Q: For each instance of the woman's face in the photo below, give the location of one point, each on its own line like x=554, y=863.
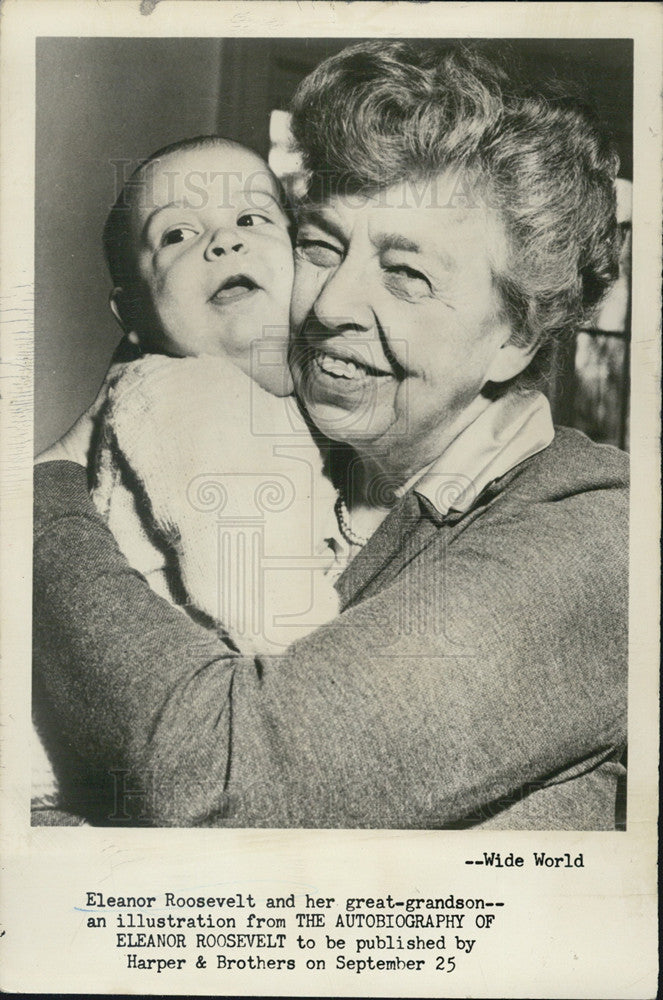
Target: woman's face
x=397, y=323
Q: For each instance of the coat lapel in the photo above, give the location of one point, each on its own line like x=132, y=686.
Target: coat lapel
x=410, y=527
x=402, y=534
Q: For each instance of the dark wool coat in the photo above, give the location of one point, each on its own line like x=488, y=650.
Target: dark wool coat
x=476, y=676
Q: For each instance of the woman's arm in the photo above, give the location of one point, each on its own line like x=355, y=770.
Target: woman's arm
x=372, y=720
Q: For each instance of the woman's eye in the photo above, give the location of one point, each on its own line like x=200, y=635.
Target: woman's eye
x=253, y=219
x=318, y=252
x=178, y=234
x=407, y=281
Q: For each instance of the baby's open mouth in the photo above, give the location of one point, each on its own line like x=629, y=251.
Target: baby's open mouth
x=237, y=286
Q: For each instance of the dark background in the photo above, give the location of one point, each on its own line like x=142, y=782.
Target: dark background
x=104, y=100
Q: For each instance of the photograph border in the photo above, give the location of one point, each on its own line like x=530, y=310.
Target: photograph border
x=606, y=927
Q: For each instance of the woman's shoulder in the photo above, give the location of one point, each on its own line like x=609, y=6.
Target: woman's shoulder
x=572, y=465
x=568, y=504
x=599, y=461
x=551, y=539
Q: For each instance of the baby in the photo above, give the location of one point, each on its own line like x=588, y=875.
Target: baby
x=204, y=468
x=206, y=471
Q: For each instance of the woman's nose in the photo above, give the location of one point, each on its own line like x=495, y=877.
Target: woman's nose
x=344, y=300
x=224, y=241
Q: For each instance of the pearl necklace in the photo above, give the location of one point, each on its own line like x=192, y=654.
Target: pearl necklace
x=343, y=521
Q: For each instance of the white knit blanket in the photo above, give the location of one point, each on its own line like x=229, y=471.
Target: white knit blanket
x=214, y=490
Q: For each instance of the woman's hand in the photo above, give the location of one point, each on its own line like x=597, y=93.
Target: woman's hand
x=75, y=444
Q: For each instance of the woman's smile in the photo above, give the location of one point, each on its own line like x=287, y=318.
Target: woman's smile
x=348, y=368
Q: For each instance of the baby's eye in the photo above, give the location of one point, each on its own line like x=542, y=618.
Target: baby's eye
x=320, y=253
x=178, y=234
x=407, y=281
x=253, y=219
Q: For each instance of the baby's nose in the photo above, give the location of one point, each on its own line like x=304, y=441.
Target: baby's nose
x=224, y=242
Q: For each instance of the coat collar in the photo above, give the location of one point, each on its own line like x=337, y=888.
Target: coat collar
x=510, y=430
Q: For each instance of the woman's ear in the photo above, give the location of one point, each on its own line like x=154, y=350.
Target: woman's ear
x=510, y=360
x=118, y=307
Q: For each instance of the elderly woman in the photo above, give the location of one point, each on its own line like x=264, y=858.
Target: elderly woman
x=454, y=228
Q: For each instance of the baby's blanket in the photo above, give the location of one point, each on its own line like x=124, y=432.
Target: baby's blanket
x=214, y=490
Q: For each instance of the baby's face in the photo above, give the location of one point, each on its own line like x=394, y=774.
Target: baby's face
x=214, y=260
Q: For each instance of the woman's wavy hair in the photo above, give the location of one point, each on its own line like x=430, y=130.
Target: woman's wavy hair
x=379, y=113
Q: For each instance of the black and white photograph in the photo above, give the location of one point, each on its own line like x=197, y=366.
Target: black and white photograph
x=404, y=590
x=335, y=395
